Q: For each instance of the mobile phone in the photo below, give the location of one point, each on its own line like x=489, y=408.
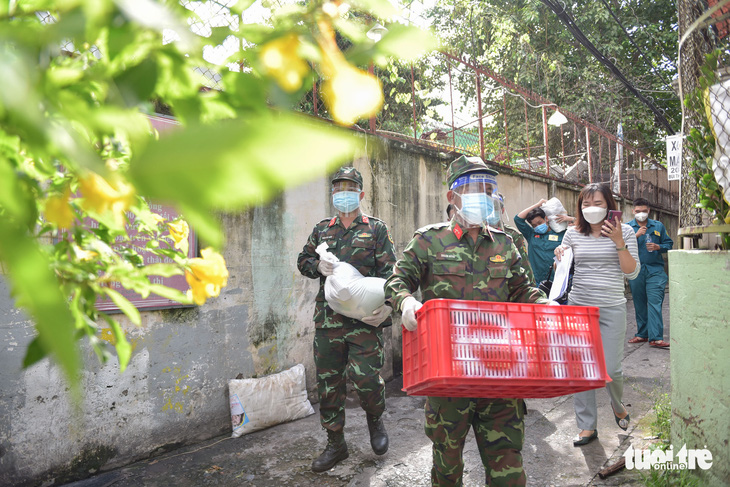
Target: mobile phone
x=614, y=214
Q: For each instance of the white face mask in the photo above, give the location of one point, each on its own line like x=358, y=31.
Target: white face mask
x=594, y=214
x=641, y=217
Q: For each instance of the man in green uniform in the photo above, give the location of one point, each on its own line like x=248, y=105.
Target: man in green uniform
x=467, y=259
x=364, y=242
x=541, y=239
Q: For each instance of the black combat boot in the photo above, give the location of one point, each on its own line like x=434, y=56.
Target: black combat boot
x=336, y=451
x=378, y=435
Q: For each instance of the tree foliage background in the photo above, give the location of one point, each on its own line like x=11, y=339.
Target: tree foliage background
x=78, y=155
x=526, y=43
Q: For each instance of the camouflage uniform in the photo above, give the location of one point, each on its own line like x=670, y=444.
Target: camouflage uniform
x=445, y=263
x=521, y=244
x=339, y=340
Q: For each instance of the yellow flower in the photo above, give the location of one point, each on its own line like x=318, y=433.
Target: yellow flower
x=102, y=196
x=58, y=210
x=179, y=231
x=206, y=276
x=352, y=94
x=282, y=62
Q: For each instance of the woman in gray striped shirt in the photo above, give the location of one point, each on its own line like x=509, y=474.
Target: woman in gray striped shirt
x=604, y=252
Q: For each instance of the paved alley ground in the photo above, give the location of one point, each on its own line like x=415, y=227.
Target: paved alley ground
x=282, y=455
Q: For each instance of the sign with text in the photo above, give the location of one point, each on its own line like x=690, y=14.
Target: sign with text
x=139, y=243
x=674, y=157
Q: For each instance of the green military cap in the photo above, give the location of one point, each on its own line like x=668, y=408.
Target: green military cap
x=349, y=173
x=465, y=165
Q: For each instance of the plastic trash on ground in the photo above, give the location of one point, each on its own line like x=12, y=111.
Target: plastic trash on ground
x=347, y=291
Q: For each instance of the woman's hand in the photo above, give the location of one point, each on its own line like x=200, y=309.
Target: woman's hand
x=559, y=250
x=613, y=231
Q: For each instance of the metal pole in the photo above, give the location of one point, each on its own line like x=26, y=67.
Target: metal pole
x=600, y=159
x=506, y=134
x=413, y=98
x=372, y=119
x=588, y=153
x=562, y=146
x=545, y=140
x=479, y=113
x=641, y=175
x=527, y=135
x=453, y=123
x=314, y=97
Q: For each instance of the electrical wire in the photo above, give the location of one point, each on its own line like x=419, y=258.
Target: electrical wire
x=646, y=58
x=573, y=28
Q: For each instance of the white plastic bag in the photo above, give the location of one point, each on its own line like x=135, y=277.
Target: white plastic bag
x=260, y=403
x=348, y=292
x=552, y=208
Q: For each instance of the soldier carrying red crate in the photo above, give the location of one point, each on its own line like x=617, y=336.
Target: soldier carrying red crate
x=466, y=259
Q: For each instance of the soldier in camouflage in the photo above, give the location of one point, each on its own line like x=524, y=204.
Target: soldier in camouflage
x=467, y=259
x=517, y=237
x=339, y=341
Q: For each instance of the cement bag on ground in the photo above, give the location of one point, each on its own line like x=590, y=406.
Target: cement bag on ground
x=348, y=292
x=552, y=208
x=259, y=403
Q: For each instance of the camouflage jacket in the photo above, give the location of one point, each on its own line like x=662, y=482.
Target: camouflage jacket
x=444, y=262
x=366, y=245
x=521, y=245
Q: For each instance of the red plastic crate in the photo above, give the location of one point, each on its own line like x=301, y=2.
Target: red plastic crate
x=482, y=349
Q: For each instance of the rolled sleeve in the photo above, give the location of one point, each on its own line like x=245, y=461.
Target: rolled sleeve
x=406, y=276
x=633, y=246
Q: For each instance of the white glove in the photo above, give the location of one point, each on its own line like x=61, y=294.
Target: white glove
x=378, y=316
x=553, y=303
x=326, y=268
x=408, y=310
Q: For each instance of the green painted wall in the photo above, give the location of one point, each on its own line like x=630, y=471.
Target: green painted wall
x=699, y=293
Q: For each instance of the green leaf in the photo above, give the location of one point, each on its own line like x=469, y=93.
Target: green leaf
x=170, y=293
x=164, y=270
x=124, y=349
x=382, y=9
x=124, y=305
x=239, y=163
x=35, y=353
x=36, y=290
x=406, y=42
x=137, y=83
x=241, y=5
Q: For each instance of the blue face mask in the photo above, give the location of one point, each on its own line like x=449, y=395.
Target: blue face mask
x=494, y=219
x=476, y=208
x=541, y=228
x=346, y=201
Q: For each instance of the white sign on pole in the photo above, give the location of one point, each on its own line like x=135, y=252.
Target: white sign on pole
x=674, y=157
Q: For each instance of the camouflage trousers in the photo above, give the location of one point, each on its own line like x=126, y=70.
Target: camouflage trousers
x=359, y=349
x=499, y=429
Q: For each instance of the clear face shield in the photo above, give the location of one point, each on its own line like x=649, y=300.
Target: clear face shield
x=478, y=201
x=345, y=196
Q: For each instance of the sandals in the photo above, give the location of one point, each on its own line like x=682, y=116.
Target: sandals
x=659, y=344
x=584, y=440
x=638, y=340
x=622, y=423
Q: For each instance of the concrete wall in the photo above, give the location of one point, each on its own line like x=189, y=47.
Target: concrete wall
x=174, y=391
x=698, y=293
